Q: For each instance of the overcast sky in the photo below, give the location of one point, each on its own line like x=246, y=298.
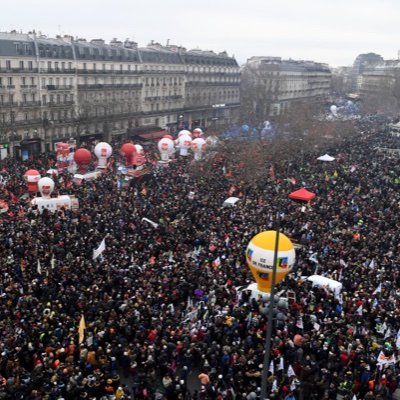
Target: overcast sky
x=333, y=31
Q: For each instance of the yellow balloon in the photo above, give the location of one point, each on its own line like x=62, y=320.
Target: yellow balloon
x=260, y=258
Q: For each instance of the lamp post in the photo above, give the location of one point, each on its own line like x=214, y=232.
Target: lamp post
x=266, y=362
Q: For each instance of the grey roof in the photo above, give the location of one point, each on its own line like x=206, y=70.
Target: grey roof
x=61, y=48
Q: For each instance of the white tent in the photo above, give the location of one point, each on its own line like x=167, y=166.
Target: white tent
x=231, y=201
x=331, y=284
x=326, y=157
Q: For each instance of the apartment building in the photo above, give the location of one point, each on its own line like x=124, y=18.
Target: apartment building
x=272, y=84
x=54, y=89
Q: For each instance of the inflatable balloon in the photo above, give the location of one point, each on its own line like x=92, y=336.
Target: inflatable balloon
x=184, y=132
x=83, y=158
x=260, y=258
x=184, y=142
x=166, y=147
x=32, y=178
x=139, y=149
x=128, y=150
x=103, y=152
x=211, y=141
x=198, y=147
x=334, y=110
x=196, y=133
x=245, y=128
x=46, y=187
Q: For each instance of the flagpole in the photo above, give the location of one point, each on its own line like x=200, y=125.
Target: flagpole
x=270, y=316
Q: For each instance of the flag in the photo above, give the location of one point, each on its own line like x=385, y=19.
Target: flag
x=293, y=180
x=388, y=333
x=398, y=339
x=82, y=328
x=313, y=258
x=281, y=364
x=152, y=223
x=232, y=190
x=272, y=172
x=384, y=360
x=217, y=262
x=299, y=323
x=271, y=367
x=52, y=262
x=274, y=385
x=372, y=264
x=100, y=249
x=39, y=268
x=290, y=371
x=354, y=397
x=359, y=310
x=378, y=289
x=343, y=263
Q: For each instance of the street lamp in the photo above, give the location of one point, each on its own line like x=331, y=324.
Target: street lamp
x=270, y=256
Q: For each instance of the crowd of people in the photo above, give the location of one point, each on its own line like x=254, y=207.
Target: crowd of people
x=164, y=316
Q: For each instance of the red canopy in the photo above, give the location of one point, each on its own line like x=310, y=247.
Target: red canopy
x=302, y=194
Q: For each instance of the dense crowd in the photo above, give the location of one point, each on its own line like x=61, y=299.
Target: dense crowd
x=164, y=316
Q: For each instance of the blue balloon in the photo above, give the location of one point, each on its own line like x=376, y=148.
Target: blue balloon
x=245, y=128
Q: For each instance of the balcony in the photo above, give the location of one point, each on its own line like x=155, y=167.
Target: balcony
x=58, y=71
x=29, y=104
x=98, y=86
x=58, y=87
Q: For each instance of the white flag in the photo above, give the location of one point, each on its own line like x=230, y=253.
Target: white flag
x=313, y=258
x=398, y=339
x=290, y=371
x=388, y=333
x=359, y=310
x=281, y=364
x=274, y=386
x=53, y=262
x=378, y=289
x=39, y=268
x=152, y=223
x=100, y=249
x=343, y=263
x=372, y=264
x=354, y=397
x=299, y=323
x=271, y=367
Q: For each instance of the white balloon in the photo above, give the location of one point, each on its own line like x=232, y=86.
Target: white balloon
x=166, y=148
x=102, y=151
x=46, y=187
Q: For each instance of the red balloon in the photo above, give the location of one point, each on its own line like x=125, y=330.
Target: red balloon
x=128, y=149
x=82, y=156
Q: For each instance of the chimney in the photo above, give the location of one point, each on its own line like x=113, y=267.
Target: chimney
x=98, y=41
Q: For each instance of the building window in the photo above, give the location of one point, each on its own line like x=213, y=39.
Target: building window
x=9, y=81
x=30, y=65
x=23, y=81
x=21, y=65
x=49, y=65
x=8, y=64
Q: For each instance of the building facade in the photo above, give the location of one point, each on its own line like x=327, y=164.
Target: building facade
x=361, y=63
x=270, y=85
x=54, y=89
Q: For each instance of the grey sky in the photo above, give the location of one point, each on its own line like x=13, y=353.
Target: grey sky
x=334, y=32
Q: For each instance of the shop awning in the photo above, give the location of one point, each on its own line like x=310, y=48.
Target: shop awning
x=152, y=135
